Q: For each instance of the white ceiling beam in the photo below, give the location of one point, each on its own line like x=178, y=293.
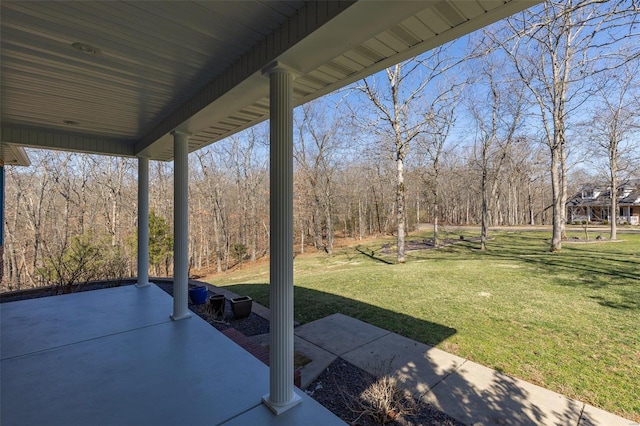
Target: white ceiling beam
x=46, y=138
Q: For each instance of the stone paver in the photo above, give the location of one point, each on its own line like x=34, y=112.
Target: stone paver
x=320, y=359
x=417, y=366
x=339, y=333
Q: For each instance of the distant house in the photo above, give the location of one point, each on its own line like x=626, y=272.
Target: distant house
x=593, y=203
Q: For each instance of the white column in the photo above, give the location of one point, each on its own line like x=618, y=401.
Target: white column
x=180, y=226
x=143, y=222
x=1, y=219
x=281, y=395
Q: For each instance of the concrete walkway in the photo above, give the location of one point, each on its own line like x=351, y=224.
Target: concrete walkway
x=465, y=390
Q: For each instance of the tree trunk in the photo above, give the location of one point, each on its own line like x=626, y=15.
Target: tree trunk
x=400, y=204
x=563, y=186
x=483, y=231
x=530, y=200
x=556, y=190
x=613, y=169
x=216, y=236
x=360, y=226
x=436, y=203
x=303, y=231
x=329, y=222
x=316, y=220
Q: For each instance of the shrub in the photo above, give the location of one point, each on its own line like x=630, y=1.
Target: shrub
x=382, y=401
x=160, y=242
x=85, y=258
x=238, y=251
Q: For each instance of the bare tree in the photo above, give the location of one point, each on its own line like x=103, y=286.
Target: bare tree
x=15, y=199
x=216, y=204
x=440, y=118
x=614, y=127
x=249, y=169
x=396, y=99
x=498, y=113
x=315, y=151
x=38, y=202
x=112, y=181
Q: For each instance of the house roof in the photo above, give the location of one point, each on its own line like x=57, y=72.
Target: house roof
x=117, y=77
x=630, y=194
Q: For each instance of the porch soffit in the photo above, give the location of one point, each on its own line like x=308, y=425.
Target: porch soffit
x=196, y=66
x=11, y=155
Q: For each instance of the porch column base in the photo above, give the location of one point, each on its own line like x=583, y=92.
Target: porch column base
x=280, y=408
x=180, y=317
x=143, y=284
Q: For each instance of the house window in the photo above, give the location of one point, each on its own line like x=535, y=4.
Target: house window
x=587, y=194
x=624, y=192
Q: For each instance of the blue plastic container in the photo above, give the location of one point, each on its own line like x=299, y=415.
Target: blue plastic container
x=198, y=295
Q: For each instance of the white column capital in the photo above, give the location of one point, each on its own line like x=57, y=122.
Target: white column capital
x=276, y=66
x=181, y=133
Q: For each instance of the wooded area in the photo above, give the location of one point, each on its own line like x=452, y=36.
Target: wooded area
x=494, y=129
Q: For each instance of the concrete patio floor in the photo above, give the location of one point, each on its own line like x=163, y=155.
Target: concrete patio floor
x=114, y=357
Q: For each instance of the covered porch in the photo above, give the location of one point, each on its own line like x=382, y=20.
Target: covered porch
x=114, y=356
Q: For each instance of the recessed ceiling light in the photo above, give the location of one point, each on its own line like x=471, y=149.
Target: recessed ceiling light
x=70, y=122
x=87, y=49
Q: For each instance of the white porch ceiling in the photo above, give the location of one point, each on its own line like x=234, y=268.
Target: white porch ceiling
x=196, y=66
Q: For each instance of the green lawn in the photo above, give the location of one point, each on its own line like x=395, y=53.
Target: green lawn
x=567, y=321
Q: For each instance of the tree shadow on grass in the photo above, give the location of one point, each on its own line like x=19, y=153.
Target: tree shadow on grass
x=613, y=271
x=310, y=305
x=373, y=256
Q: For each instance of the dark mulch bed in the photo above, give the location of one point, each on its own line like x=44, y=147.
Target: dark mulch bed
x=339, y=383
x=343, y=382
